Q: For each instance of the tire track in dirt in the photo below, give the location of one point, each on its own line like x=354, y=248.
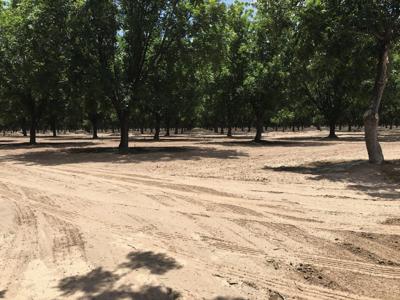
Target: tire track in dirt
x=257, y=229
x=67, y=240
x=35, y=228
x=290, y=288
x=159, y=183
x=327, y=247
x=24, y=246
x=351, y=266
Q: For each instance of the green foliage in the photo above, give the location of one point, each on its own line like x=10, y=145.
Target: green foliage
x=186, y=63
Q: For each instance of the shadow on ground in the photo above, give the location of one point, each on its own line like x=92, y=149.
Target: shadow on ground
x=156, y=263
x=100, y=284
x=377, y=181
x=107, y=154
x=269, y=143
x=2, y=294
x=55, y=145
x=386, y=136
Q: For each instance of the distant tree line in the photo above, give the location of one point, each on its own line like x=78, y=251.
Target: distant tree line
x=173, y=64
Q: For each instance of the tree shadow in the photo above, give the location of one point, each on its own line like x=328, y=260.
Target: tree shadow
x=2, y=141
x=100, y=284
x=156, y=263
x=93, y=282
x=384, y=136
x=379, y=181
x=2, y=293
x=269, y=143
x=145, y=293
x=57, y=145
x=150, y=139
x=108, y=154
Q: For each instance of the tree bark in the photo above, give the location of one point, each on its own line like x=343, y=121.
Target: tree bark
x=93, y=120
x=259, y=129
x=94, y=128
x=371, y=117
x=158, y=126
x=24, y=131
x=33, y=125
x=124, y=138
x=167, y=124
x=54, y=128
x=229, y=131
x=332, y=131
x=32, y=130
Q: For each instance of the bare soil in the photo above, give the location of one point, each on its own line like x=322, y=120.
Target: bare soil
x=199, y=216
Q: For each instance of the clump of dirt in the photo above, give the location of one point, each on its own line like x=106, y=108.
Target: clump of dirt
x=273, y=295
x=315, y=276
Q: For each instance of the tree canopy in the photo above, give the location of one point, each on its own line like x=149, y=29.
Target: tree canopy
x=121, y=65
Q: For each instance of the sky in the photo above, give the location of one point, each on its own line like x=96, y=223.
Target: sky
x=231, y=1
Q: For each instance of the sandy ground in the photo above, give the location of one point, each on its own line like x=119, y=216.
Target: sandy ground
x=199, y=217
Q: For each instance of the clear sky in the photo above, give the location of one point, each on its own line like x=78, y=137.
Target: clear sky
x=231, y=1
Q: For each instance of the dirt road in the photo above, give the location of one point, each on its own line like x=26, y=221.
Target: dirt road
x=199, y=217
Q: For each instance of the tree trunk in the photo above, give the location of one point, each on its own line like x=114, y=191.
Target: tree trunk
x=54, y=128
x=33, y=125
x=332, y=131
x=32, y=131
x=371, y=117
x=124, y=124
x=24, y=131
x=93, y=120
x=94, y=128
x=167, y=124
x=158, y=125
x=259, y=129
x=229, y=131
